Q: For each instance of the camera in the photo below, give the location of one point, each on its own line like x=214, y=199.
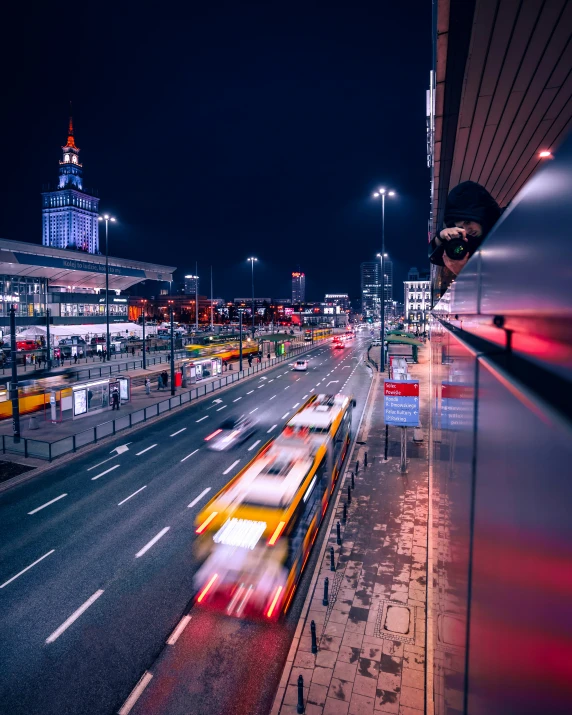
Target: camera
x=456, y=249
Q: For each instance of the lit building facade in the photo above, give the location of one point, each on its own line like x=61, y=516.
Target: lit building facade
x=370, y=289
x=69, y=214
x=298, y=288
x=341, y=300
x=417, y=292
x=191, y=285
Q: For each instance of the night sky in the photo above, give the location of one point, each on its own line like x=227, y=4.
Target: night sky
x=216, y=133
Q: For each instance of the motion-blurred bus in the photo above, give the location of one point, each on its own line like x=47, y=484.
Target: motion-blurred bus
x=256, y=534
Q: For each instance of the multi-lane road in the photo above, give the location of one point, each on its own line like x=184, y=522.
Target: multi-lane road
x=96, y=561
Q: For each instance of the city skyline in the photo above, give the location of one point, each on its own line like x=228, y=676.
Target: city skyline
x=205, y=180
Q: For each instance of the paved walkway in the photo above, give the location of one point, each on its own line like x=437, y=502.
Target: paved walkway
x=371, y=635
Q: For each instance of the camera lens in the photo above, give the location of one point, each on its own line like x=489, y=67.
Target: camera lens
x=456, y=249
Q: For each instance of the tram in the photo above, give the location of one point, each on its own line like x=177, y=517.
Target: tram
x=256, y=534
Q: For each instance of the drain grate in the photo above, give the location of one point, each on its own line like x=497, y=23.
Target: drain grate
x=392, y=614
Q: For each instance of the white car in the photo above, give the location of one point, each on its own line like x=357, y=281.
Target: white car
x=300, y=365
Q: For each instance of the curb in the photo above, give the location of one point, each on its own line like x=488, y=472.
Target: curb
x=285, y=676
x=38, y=471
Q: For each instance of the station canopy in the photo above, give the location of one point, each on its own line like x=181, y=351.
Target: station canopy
x=74, y=269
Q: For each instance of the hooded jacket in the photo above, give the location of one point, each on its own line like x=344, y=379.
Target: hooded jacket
x=468, y=201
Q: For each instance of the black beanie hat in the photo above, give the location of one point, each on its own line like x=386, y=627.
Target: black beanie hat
x=470, y=201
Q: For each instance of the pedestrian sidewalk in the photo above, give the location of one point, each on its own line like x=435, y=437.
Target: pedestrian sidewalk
x=371, y=635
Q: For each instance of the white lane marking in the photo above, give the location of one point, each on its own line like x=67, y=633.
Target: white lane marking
x=144, y=450
x=254, y=410
x=331, y=382
x=254, y=445
x=277, y=376
x=296, y=405
x=178, y=630
x=250, y=393
x=135, y=694
x=344, y=367
x=222, y=408
x=259, y=386
x=318, y=384
x=285, y=415
x=178, y=432
x=189, y=455
x=312, y=390
x=37, y=561
x=287, y=387
x=95, y=466
x=269, y=381
x=153, y=541
x=304, y=397
x=232, y=466
x=298, y=380
x=202, y=418
x=132, y=495
x=74, y=616
x=237, y=399
x=39, y=508
x=273, y=396
x=196, y=500
x=270, y=430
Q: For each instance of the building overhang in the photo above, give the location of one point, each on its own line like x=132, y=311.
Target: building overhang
x=73, y=269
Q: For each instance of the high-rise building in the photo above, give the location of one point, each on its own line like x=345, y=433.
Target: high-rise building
x=69, y=214
x=191, y=285
x=298, y=287
x=370, y=289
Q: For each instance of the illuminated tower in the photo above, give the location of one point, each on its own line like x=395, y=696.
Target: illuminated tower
x=298, y=288
x=69, y=214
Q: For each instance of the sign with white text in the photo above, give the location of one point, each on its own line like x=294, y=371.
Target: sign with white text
x=401, y=402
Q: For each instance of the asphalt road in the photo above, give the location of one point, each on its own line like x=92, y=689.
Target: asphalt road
x=96, y=562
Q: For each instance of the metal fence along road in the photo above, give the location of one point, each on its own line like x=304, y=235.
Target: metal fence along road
x=50, y=450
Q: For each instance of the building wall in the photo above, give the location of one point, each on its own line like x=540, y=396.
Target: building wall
x=417, y=295
x=500, y=536
x=70, y=218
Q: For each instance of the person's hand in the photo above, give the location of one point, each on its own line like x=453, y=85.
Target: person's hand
x=455, y=266
x=448, y=233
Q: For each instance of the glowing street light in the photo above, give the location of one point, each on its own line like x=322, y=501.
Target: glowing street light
x=383, y=193
x=252, y=262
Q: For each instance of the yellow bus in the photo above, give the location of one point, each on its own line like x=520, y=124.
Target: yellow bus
x=256, y=534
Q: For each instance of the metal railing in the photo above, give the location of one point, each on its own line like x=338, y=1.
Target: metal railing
x=41, y=449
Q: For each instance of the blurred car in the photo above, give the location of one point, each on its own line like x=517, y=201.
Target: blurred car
x=301, y=365
x=231, y=433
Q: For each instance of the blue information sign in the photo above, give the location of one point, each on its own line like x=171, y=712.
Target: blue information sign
x=401, y=402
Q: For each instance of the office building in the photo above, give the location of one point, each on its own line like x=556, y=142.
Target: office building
x=191, y=285
x=338, y=300
x=69, y=214
x=370, y=289
x=298, y=288
x=417, y=301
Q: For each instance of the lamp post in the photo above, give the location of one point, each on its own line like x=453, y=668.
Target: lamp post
x=144, y=354
x=382, y=256
x=252, y=261
x=107, y=219
x=172, y=319
x=14, y=380
x=240, y=311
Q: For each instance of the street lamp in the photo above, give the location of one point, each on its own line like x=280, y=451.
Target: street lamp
x=144, y=302
x=252, y=261
x=382, y=192
x=107, y=219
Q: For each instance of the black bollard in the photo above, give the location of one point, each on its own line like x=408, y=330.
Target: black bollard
x=345, y=517
x=338, y=534
x=300, y=707
x=314, y=641
x=365, y=460
x=357, y=466
x=325, y=601
x=349, y=494
x=332, y=563
x=353, y=481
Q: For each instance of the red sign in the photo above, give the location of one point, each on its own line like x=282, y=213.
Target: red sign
x=459, y=392
x=402, y=389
